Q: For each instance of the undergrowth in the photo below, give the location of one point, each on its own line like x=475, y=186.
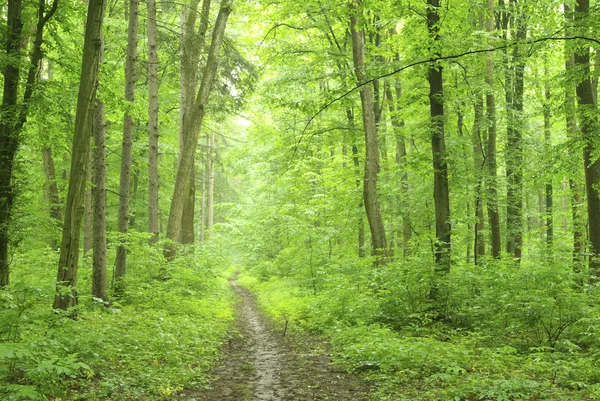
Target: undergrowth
x=161, y=337
x=507, y=333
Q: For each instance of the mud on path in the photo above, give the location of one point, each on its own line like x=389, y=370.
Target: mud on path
x=261, y=364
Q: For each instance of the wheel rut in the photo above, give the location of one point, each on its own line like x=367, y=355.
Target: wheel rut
x=261, y=364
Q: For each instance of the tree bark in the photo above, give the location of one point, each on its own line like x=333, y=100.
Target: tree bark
x=66, y=295
x=378, y=240
x=549, y=188
x=87, y=213
x=210, y=193
x=398, y=125
x=514, y=160
x=356, y=163
x=479, y=141
x=588, y=118
x=438, y=148
x=128, y=123
x=51, y=189
x=492, y=181
x=192, y=45
x=195, y=118
x=579, y=237
x=152, y=125
x=99, y=276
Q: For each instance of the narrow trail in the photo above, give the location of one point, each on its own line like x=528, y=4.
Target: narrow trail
x=261, y=364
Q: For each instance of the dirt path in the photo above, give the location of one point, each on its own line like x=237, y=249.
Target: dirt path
x=263, y=365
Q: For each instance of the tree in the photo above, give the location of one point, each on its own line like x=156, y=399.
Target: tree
x=438, y=146
x=152, y=124
x=192, y=45
x=588, y=118
x=514, y=81
x=371, y=202
x=128, y=123
x=490, y=103
x=194, y=120
x=14, y=116
x=66, y=294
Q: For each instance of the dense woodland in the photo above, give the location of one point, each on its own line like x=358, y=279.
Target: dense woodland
x=417, y=181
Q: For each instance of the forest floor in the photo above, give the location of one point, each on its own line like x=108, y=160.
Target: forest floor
x=263, y=364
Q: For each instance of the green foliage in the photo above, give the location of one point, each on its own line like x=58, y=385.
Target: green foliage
x=163, y=336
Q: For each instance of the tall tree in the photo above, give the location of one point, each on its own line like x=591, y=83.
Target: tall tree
x=66, y=294
x=128, y=124
x=393, y=102
x=514, y=90
x=194, y=120
x=548, y=146
x=588, y=118
x=490, y=111
x=192, y=45
x=378, y=240
x=152, y=124
x=99, y=278
x=479, y=141
x=438, y=146
x=14, y=115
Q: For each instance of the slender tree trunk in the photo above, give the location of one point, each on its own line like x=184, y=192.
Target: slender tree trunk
x=51, y=189
x=479, y=139
x=588, y=118
x=514, y=161
x=8, y=136
x=492, y=181
x=66, y=295
x=579, y=238
x=195, y=118
x=128, y=124
x=438, y=148
x=398, y=125
x=373, y=211
x=549, y=188
x=99, y=276
x=210, y=198
x=356, y=162
x=152, y=125
x=203, y=197
x=87, y=213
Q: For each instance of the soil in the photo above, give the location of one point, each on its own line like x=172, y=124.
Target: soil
x=262, y=364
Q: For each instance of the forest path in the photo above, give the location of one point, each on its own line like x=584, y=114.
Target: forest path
x=261, y=364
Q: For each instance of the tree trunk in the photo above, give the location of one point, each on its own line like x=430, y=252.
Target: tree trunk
x=99, y=193
x=479, y=140
x=589, y=129
x=124, y=182
x=492, y=181
x=66, y=295
x=579, y=238
x=152, y=125
x=192, y=44
x=371, y=202
x=195, y=118
x=356, y=162
x=514, y=160
x=438, y=148
x=210, y=198
x=549, y=188
x=398, y=125
x=87, y=213
x=51, y=190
